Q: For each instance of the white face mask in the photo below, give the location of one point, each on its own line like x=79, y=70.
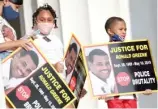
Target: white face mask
x=45, y=28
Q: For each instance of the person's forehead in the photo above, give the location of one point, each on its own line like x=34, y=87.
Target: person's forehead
x=45, y=13
x=26, y=57
x=117, y=24
x=97, y=58
x=72, y=52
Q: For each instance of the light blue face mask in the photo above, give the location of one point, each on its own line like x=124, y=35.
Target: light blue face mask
x=9, y=13
x=116, y=38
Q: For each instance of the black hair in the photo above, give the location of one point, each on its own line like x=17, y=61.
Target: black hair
x=111, y=21
x=45, y=7
x=96, y=52
x=17, y=2
x=32, y=54
x=73, y=46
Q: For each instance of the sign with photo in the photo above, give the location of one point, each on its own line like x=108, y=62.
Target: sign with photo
x=32, y=82
x=75, y=73
x=120, y=68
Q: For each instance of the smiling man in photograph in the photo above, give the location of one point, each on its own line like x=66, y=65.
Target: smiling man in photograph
x=100, y=71
x=17, y=68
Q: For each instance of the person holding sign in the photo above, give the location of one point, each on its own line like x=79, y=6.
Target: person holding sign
x=44, y=22
x=100, y=71
x=116, y=29
x=8, y=39
x=21, y=65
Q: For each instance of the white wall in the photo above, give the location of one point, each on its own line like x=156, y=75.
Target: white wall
x=26, y=19
x=75, y=18
x=100, y=11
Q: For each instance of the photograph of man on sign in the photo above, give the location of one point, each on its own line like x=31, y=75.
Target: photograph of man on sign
x=100, y=71
x=18, y=67
x=70, y=60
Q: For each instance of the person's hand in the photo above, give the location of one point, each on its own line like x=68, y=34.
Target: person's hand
x=59, y=67
x=148, y=92
x=8, y=105
x=83, y=93
x=104, y=97
x=25, y=44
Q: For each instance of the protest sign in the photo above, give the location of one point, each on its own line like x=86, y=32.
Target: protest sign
x=120, y=68
x=75, y=72
x=32, y=82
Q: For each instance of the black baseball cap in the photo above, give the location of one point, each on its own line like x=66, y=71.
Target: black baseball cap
x=17, y=2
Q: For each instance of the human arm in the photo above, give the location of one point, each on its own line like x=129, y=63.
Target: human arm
x=83, y=93
x=1, y=7
x=14, y=44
